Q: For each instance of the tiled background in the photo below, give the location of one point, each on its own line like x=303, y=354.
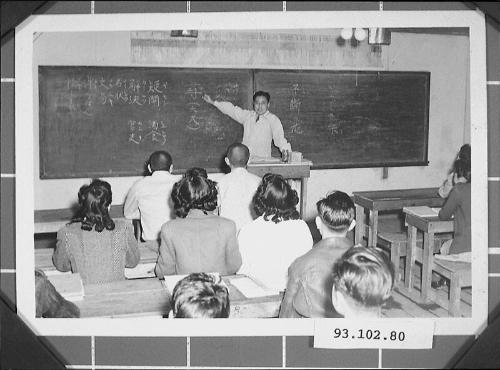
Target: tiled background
x=246, y=351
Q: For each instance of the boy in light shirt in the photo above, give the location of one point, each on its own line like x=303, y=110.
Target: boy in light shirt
x=237, y=188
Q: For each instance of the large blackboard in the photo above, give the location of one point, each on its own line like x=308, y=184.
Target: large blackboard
x=106, y=121
x=352, y=118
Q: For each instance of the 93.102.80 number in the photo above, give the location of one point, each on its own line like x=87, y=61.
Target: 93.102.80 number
x=343, y=333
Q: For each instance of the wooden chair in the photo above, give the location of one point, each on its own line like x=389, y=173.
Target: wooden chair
x=458, y=273
x=460, y=276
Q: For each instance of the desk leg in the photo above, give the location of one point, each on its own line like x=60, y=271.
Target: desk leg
x=455, y=289
x=360, y=225
x=427, y=261
x=303, y=197
x=411, y=250
x=372, y=232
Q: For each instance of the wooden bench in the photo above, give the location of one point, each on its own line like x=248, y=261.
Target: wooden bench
x=396, y=243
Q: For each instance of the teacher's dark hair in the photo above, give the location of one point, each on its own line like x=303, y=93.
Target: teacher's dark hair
x=276, y=199
x=262, y=93
x=94, y=200
x=194, y=191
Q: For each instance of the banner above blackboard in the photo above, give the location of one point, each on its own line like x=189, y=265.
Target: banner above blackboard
x=106, y=121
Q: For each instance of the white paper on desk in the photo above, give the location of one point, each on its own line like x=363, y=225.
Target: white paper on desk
x=251, y=289
x=171, y=280
x=70, y=286
x=421, y=211
x=456, y=257
x=142, y=270
x=56, y=272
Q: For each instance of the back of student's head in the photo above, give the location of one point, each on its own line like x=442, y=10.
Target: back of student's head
x=196, y=171
x=238, y=155
x=199, y=295
x=365, y=278
x=464, y=152
x=336, y=211
x=275, y=198
x=462, y=169
x=160, y=161
x=94, y=200
x=194, y=192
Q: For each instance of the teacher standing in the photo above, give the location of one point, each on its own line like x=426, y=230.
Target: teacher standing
x=260, y=126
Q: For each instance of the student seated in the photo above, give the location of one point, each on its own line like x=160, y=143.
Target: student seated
x=237, y=188
x=453, y=177
x=363, y=279
x=197, y=240
x=270, y=243
x=457, y=205
x=200, y=296
x=49, y=303
x=309, y=289
x=149, y=198
x=92, y=243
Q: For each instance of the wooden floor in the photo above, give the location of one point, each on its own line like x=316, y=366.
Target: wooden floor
x=410, y=304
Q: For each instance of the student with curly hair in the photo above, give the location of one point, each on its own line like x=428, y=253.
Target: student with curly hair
x=363, y=280
x=92, y=243
x=270, y=243
x=197, y=240
x=200, y=296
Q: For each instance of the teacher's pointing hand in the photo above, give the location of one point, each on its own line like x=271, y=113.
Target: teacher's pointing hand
x=208, y=99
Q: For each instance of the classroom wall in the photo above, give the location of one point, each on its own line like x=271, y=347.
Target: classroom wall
x=445, y=56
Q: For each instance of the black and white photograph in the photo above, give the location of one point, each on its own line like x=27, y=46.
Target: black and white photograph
x=295, y=167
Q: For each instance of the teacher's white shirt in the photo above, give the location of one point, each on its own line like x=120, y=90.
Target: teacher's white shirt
x=257, y=135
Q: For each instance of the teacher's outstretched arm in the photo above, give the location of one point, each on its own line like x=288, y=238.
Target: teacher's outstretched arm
x=236, y=113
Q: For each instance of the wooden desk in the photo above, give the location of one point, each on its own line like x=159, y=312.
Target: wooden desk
x=51, y=220
x=300, y=171
x=148, y=297
x=429, y=226
x=388, y=200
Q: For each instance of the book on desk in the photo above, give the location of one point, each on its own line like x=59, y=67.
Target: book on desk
x=69, y=285
x=422, y=211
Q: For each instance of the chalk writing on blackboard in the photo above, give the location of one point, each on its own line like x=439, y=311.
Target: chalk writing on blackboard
x=334, y=126
x=227, y=92
x=150, y=131
x=295, y=103
x=80, y=94
x=194, y=91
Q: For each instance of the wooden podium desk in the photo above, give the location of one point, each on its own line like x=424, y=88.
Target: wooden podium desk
x=149, y=297
x=388, y=200
x=295, y=171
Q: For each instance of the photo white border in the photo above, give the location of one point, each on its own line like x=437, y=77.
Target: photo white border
x=24, y=116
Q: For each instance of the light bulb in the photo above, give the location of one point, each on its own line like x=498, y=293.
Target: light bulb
x=346, y=33
x=360, y=34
